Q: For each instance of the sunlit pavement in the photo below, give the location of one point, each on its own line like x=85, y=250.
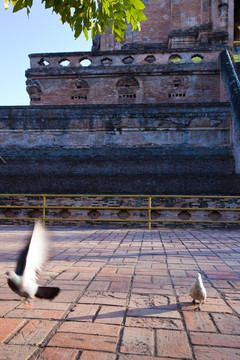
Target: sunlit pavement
x=124, y=296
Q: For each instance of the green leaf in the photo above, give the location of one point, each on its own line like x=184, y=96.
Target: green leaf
x=141, y=17
x=85, y=31
x=91, y=15
x=19, y=5
x=137, y=4
x=78, y=28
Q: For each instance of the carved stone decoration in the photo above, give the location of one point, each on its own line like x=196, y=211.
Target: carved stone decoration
x=150, y=59
x=33, y=87
x=128, y=60
x=215, y=215
x=34, y=90
x=127, y=89
x=223, y=14
x=184, y=215
x=106, y=61
x=155, y=214
x=43, y=62
x=123, y=214
x=177, y=89
x=35, y=213
x=65, y=213
x=80, y=90
x=94, y=214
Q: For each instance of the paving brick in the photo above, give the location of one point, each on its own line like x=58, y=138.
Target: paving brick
x=9, y=327
x=93, y=355
x=67, y=296
x=155, y=323
x=103, y=298
x=173, y=344
x=161, y=311
x=45, y=305
x=199, y=321
x=139, y=357
x=82, y=312
x=138, y=341
x=227, y=324
x=16, y=352
x=99, y=285
x=58, y=354
x=90, y=328
x=84, y=341
x=207, y=307
x=33, y=333
x=36, y=313
x=235, y=304
x=206, y=353
x=208, y=339
x=110, y=315
x=149, y=301
x=119, y=286
x=7, y=306
x=151, y=289
x=153, y=327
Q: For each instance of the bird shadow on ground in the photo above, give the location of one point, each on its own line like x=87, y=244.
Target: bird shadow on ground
x=132, y=312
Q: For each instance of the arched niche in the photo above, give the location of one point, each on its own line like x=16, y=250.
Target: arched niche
x=127, y=88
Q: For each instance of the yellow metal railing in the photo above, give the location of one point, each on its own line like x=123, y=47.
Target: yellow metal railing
x=223, y=215
x=236, y=54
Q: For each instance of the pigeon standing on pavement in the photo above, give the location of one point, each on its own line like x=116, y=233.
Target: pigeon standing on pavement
x=30, y=263
x=198, y=292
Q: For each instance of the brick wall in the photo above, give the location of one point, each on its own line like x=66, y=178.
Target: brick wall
x=181, y=24
x=124, y=211
x=125, y=77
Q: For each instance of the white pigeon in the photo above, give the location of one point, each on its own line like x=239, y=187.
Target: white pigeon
x=30, y=263
x=198, y=292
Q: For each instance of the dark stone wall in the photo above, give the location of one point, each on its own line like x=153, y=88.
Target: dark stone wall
x=39, y=156
x=230, y=77
x=119, y=171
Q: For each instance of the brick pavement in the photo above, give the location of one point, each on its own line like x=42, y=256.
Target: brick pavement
x=125, y=296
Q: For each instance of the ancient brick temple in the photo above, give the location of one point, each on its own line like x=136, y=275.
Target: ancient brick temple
x=174, y=59
x=148, y=115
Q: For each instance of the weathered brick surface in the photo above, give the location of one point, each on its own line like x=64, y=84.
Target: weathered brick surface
x=206, y=353
x=9, y=326
x=173, y=344
x=51, y=353
x=33, y=333
x=92, y=355
x=16, y=352
x=152, y=318
x=83, y=341
x=207, y=339
x=199, y=321
x=138, y=341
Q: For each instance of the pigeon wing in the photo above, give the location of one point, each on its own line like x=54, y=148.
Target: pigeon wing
x=22, y=260
x=37, y=253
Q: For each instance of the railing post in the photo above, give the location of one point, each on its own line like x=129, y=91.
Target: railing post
x=149, y=213
x=44, y=210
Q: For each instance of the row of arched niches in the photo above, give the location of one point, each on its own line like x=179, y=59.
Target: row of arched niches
x=126, y=88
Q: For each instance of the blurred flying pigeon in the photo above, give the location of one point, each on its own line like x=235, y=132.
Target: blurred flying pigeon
x=198, y=292
x=30, y=262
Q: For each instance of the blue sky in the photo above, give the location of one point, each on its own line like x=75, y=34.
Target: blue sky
x=20, y=36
